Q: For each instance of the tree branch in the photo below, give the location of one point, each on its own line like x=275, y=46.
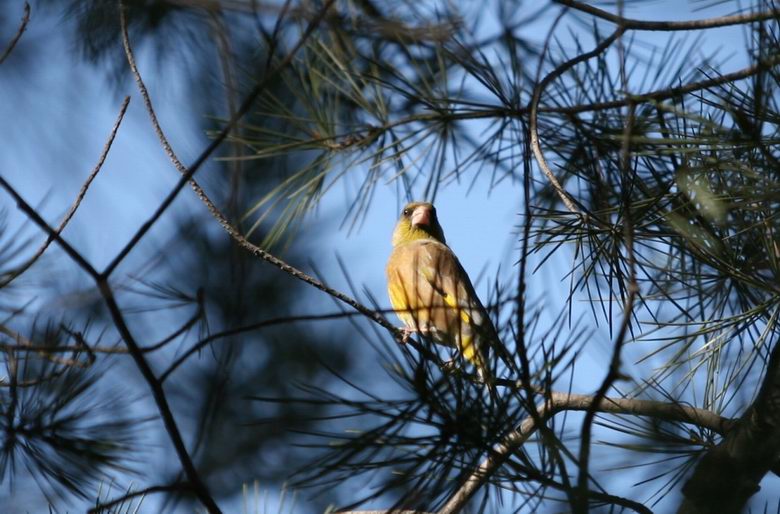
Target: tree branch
x=668, y=26
x=242, y=110
x=561, y=402
x=75, y=205
x=565, y=197
x=199, y=487
x=730, y=473
x=233, y=231
x=38, y=220
x=19, y=32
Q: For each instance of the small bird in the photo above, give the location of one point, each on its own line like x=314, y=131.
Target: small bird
x=432, y=294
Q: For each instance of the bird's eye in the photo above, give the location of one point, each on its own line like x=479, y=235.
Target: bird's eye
x=406, y=212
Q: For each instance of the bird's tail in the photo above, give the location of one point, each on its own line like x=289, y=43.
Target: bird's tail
x=479, y=359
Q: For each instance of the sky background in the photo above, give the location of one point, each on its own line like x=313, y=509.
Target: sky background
x=57, y=112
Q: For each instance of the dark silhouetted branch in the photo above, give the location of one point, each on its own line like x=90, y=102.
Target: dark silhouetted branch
x=79, y=197
x=18, y=35
x=242, y=110
x=561, y=402
x=36, y=218
x=671, y=26
x=730, y=473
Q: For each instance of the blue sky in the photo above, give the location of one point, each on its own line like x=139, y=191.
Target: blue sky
x=59, y=111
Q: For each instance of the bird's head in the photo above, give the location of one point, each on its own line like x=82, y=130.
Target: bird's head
x=418, y=221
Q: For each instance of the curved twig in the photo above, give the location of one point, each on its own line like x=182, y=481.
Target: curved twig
x=565, y=197
x=242, y=110
x=670, y=26
x=75, y=205
x=233, y=231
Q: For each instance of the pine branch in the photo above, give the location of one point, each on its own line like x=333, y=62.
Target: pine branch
x=730, y=473
x=564, y=402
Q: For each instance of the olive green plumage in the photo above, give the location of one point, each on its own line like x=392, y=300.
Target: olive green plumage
x=431, y=292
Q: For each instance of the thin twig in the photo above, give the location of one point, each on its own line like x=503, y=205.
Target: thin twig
x=19, y=32
x=25, y=345
x=79, y=197
x=31, y=347
x=105, y=506
x=242, y=110
x=669, y=26
x=613, y=373
x=38, y=220
x=228, y=226
x=534, y=115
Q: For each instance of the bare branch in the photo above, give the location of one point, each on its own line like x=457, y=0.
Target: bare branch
x=242, y=110
x=669, y=26
x=565, y=197
x=19, y=32
x=36, y=218
x=79, y=197
x=233, y=231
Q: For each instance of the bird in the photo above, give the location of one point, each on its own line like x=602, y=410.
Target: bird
x=431, y=292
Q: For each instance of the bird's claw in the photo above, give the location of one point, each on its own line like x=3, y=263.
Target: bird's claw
x=451, y=366
x=406, y=334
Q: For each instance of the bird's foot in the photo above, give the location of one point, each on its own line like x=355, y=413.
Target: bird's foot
x=406, y=333
x=451, y=367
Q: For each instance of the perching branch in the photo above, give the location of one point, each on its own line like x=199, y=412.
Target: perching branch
x=233, y=231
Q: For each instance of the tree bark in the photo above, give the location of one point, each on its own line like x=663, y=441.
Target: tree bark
x=730, y=473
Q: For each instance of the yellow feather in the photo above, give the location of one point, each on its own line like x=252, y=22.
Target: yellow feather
x=431, y=292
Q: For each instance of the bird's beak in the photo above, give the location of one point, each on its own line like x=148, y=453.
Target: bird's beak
x=421, y=217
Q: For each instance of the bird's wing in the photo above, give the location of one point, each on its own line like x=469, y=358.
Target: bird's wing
x=440, y=293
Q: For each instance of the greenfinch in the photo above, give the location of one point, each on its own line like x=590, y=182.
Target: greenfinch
x=431, y=292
